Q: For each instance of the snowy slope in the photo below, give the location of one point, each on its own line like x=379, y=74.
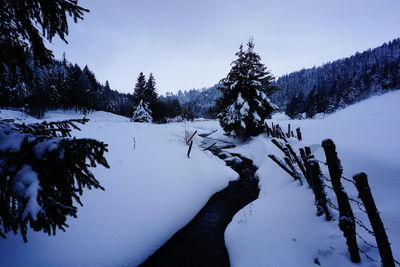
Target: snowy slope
x=152, y=190
x=280, y=228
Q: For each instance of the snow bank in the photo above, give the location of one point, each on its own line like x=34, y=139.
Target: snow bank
x=152, y=190
x=280, y=228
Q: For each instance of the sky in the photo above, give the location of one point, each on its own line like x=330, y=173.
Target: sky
x=190, y=44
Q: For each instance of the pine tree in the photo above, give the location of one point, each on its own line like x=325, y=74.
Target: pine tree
x=142, y=113
x=43, y=171
x=140, y=89
x=244, y=105
x=296, y=106
x=25, y=24
x=150, y=95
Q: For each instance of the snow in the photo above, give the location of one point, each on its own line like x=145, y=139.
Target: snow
x=256, y=116
x=26, y=184
x=154, y=190
x=279, y=116
x=151, y=192
x=280, y=228
x=239, y=100
x=244, y=110
x=142, y=113
x=45, y=147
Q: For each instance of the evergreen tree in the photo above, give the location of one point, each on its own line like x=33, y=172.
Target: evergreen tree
x=43, y=171
x=142, y=113
x=150, y=94
x=187, y=113
x=139, y=92
x=24, y=22
x=244, y=105
x=296, y=106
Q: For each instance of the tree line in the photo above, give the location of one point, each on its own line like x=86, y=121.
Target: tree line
x=340, y=83
x=61, y=84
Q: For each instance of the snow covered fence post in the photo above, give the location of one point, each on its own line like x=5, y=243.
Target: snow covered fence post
x=289, y=159
x=318, y=188
x=306, y=168
x=297, y=160
x=273, y=133
x=346, y=220
x=280, y=146
x=299, y=137
x=282, y=165
x=364, y=193
x=295, y=173
x=281, y=134
x=268, y=130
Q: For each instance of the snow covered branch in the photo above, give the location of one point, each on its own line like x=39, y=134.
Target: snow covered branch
x=42, y=174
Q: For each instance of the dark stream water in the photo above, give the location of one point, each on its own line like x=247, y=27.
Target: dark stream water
x=201, y=242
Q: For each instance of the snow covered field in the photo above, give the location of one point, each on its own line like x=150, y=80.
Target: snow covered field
x=154, y=189
x=281, y=229
x=151, y=192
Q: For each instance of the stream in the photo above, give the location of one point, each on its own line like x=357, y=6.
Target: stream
x=201, y=242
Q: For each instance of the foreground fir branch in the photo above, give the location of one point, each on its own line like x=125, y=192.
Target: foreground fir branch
x=42, y=174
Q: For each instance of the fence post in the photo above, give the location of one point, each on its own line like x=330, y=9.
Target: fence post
x=298, y=162
x=318, y=188
x=209, y=147
x=299, y=137
x=346, y=217
x=306, y=168
x=190, y=148
x=191, y=137
x=364, y=193
x=268, y=130
x=282, y=165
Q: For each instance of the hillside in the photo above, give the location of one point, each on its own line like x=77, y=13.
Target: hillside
x=153, y=202
x=340, y=83
x=280, y=228
x=322, y=89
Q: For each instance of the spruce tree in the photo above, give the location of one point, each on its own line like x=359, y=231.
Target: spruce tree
x=150, y=95
x=140, y=89
x=296, y=106
x=244, y=105
x=142, y=113
x=43, y=171
x=25, y=24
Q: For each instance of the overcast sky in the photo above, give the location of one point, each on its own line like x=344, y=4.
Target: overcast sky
x=190, y=44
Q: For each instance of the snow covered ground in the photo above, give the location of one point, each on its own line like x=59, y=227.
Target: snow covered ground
x=154, y=190
x=280, y=228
